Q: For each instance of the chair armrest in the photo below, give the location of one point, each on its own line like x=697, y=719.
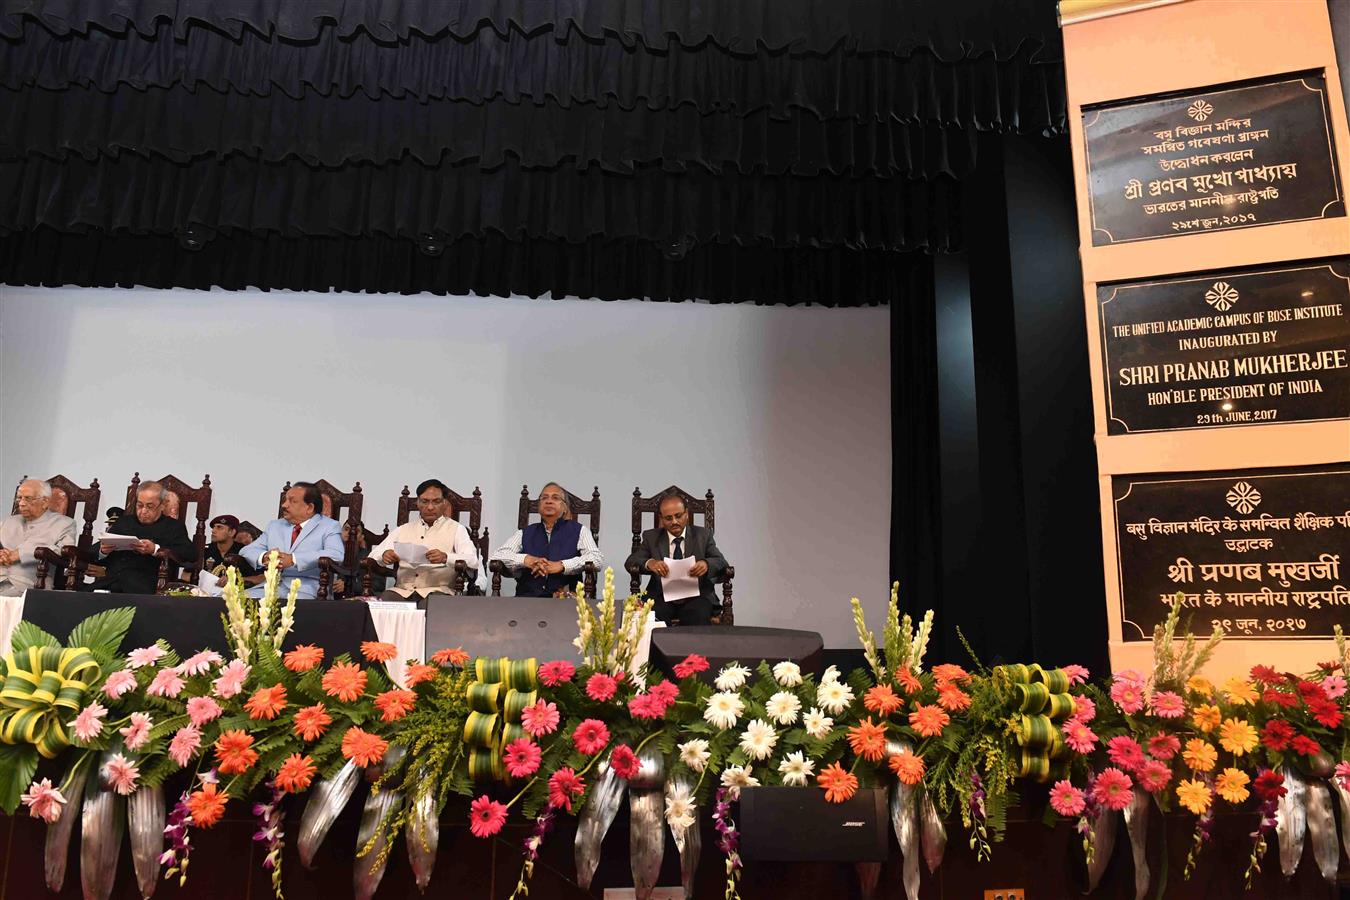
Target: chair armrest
x=498, y=570
x=375, y=567
x=234, y=559
x=727, y=574
x=588, y=579
x=632, y=568
x=50, y=556
x=165, y=554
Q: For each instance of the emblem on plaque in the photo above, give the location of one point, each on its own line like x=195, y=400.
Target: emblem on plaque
x=1243, y=497
x=1222, y=296
x=1200, y=111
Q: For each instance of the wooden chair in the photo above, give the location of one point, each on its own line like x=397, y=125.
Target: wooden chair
x=178, y=497
x=66, y=498
x=530, y=507
x=705, y=508
x=460, y=506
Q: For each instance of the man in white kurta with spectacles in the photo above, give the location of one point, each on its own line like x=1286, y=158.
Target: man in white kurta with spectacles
x=445, y=542
x=35, y=525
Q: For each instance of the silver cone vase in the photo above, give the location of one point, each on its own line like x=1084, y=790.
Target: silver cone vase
x=1136, y=825
x=869, y=874
x=326, y=800
x=1322, y=829
x=57, y=851
x=422, y=834
x=145, y=822
x=647, y=823
x=689, y=841
x=932, y=831
x=905, y=821
x=102, y=823
x=1103, y=827
x=1291, y=820
x=594, y=820
x=1344, y=796
x=366, y=874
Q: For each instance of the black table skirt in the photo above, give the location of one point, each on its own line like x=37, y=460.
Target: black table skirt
x=190, y=624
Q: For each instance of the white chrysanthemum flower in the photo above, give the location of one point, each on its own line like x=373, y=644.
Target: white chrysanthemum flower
x=831, y=674
x=788, y=674
x=732, y=677
x=817, y=724
x=680, y=810
x=796, y=769
x=834, y=696
x=694, y=754
x=783, y=707
x=759, y=739
x=724, y=709
x=736, y=777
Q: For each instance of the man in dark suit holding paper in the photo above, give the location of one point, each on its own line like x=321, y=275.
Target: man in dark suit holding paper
x=135, y=568
x=676, y=539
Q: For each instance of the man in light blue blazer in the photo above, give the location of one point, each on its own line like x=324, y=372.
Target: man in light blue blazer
x=302, y=536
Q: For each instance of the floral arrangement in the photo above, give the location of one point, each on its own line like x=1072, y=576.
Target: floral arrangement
x=558, y=738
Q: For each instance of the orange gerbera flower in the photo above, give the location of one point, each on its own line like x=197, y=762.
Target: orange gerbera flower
x=303, y=658
x=295, y=773
x=907, y=766
x=312, y=721
x=949, y=673
x=207, y=806
x=839, y=783
x=362, y=747
x=450, y=656
x=345, y=681
x=378, y=651
x=868, y=739
x=882, y=700
x=266, y=702
x=235, y=752
x=928, y=721
x=394, y=704
x=907, y=680
x=418, y=673
x=1206, y=717
x=951, y=697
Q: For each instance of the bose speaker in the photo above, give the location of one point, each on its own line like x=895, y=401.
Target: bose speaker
x=519, y=627
x=788, y=824
x=723, y=644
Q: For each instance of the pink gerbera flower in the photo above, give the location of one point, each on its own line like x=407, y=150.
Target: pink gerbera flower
x=185, y=741
x=1112, y=789
x=692, y=665
x=1163, y=746
x=624, y=762
x=601, y=687
x=138, y=732
x=200, y=662
x=88, y=724
x=646, y=706
x=1079, y=737
x=1167, y=705
x=591, y=736
x=231, y=680
x=556, y=672
x=1066, y=799
x=166, y=683
x=522, y=758
x=563, y=786
x=202, y=710
x=1077, y=674
x=1125, y=752
x=1084, y=709
x=121, y=774
x=1153, y=776
x=43, y=801
x=1333, y=686
x=1128, y=696
x=540, y=718
x=486, y=817
x=667, y=691
x=145, y=656
x=1343, y=774
x=119, y=683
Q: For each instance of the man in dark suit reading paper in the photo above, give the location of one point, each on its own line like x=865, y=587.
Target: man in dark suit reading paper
x=677, y=540
x=135, y=569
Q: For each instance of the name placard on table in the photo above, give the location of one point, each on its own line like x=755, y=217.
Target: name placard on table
x=1227, y=348
x=1212, y=160
x=1262, y=553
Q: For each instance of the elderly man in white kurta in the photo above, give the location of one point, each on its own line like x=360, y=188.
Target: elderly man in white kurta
x=445, y=539
x=35, y=526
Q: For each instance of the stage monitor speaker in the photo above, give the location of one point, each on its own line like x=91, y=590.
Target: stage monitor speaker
x=789, y=824
x=519, y=627
x=723, y=644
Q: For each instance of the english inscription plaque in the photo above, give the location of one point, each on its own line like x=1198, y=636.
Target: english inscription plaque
x=1254, y=347
x=1212, y=160
x=1262, y=553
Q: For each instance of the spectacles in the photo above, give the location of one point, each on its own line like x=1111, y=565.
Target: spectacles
x=23, y=499
x=154, y=504
x=423, y=501
x=558, y=497
x=674, y=518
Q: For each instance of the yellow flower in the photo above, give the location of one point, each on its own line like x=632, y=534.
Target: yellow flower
x=1206, y=717
x=1240, y=693
x=1237, y=737
x=1194, y=795
x=1232, y=785
x=1200, y=755
x=1201, y=686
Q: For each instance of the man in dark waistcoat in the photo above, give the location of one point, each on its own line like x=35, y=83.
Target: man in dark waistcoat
x=547, y=556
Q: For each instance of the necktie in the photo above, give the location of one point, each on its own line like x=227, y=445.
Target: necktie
x=679, y=548
x=295, y=535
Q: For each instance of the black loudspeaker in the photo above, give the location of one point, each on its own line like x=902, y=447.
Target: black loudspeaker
x=519, y=627
x=786, y=824
x=722, y=644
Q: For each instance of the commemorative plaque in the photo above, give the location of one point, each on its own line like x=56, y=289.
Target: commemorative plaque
x=1212, y=160
x=1262, y=553
x=1250, y=347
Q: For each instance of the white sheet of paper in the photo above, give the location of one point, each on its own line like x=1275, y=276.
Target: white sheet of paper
x=117, y=541
x=679, y=584
x=414, y=555
x=207, y=582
